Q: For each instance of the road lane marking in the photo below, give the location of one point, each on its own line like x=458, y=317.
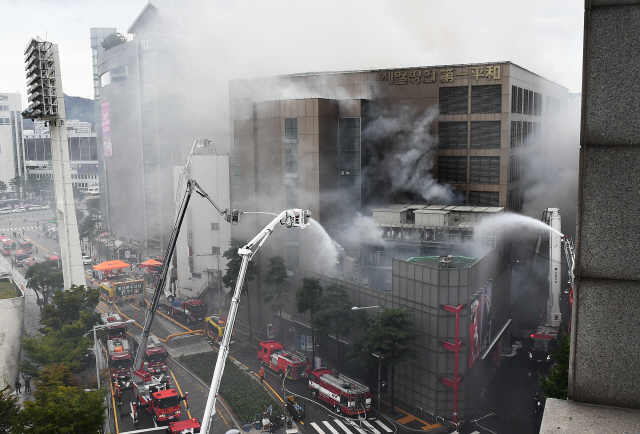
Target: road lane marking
x=330, y=428
x=174, y=379
x=317, y=428
x=371, y=427
x=341, y=425
x=384, y=427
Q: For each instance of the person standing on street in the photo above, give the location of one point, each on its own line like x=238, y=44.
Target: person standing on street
x=18, y=385
x=27, y=384
x=261, y=374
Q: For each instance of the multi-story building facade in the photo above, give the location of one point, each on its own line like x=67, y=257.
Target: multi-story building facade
x=11, y=150
x=97, y=36
x=83, y=152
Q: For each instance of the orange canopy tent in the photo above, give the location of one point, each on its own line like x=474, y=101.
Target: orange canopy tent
x=150, y=263
x=110, y=265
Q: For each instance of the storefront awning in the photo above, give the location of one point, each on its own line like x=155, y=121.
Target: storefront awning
x=110, y=265
x=495, y=339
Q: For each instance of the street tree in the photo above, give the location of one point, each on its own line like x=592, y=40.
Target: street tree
x=276, y=287
x=3, y=187
x=387, y=336
x=307, y=299
x=113, y=40
x=69, y=306
x=44, y=277
x=334, y=315
x=9, y=410
x=17, y=184
x=556, y=383
x=93, y=207
x=233, y=270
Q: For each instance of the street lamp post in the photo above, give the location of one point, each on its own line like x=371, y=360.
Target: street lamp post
x=377, y=355
x=95, y=342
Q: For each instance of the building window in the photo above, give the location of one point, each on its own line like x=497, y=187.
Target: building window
x=291, y=147
x=454, y=100
x=215, y=250
x=484, y=198
x=452, y=135
x=484, y=170
x=349, y=143
x=485, y=134
x=215, y=226
x=514, y=200
x=486, y=99
x=452, y=170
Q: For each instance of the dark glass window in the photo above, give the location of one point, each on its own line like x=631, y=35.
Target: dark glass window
x=484, y=198
x=484, y=170
x=486, y=99
x=291, y=128
x=485, y=134
x=452, y=135
x=452, y=170
x=291, y=146
x=454, y=100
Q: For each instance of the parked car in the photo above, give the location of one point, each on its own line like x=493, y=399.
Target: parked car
x=86, y=260
x=45, y=207
x=53, y=256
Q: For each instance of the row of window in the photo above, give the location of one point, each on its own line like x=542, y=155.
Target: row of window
x=518, y=166
x=5, y=121
x=525, y=133
x=483, y=170
x=291, y=146
x=4, y=108
x=484, y=135
x=484, y=99
x=514, y=200
x=84, y=176
x=526, y=101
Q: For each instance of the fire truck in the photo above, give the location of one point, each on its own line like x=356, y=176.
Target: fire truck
x=157, y=396
x=345, y=395
x=184, y=426
x=541, y=345
x=214, y=327
x=117, y=331
x=192, y=311
x=273, y=355
x=155, y=357
x=120, y=362
x=7, y=245
x=26, y=245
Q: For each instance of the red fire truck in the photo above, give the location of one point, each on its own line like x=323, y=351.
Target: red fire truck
x=155, y=357
x=273, y=355
x=117, y=331
x=184, y=426
x=345, y=395
x=7, y=245
x=120, y=362
x=192, y=311
x=160, y=400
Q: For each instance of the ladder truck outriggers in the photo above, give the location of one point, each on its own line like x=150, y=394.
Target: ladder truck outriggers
x=291, y=218
x=542, y=338
x=154, y=392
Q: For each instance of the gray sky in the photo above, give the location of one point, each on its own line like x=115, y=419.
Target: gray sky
x=261, y=37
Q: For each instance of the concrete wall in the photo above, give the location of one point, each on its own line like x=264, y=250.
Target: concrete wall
x=604, y=366
x=11, y=329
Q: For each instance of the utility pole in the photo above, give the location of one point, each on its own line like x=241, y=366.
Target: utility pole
x=44, y=82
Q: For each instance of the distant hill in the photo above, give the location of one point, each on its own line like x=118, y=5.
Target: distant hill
x=75, y=108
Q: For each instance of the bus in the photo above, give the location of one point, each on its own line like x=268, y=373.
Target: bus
x=214, y=326
x=7, y=245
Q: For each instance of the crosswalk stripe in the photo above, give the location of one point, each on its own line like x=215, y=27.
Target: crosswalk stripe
x=384, y=427
x=341, y=425
x=315, y=425
x=330, y=428
x=371, y=427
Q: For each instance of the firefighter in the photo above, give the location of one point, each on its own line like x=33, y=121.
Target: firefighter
x=261, y=374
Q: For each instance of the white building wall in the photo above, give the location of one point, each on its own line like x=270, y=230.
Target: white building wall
x=10, y=130
x=197, y=236
x=11, y=329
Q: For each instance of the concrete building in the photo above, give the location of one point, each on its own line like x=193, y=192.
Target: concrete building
x=152, y=108
x=205, y=234
x=11, y=328
x=11, y=150
x=83, y=152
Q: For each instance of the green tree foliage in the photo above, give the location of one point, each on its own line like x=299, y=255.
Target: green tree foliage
x=17, y=184
x=233, y=270
x=70, y=306
x=9, y=410
x=93, y=207
x=389, y=335
x=44, y=277
x=334, y=315
x=113, y=40
x=276, y=287
x=307, y=299
x=555, y=384
x=3, y=187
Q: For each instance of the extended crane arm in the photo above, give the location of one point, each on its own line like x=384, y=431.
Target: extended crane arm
x=290, y=218
x=192, y=186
